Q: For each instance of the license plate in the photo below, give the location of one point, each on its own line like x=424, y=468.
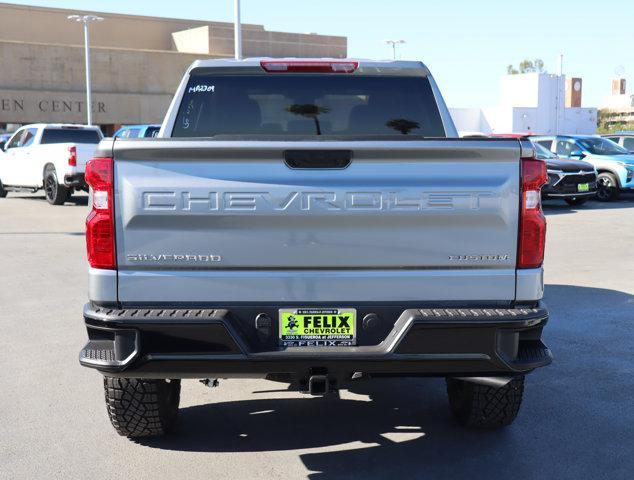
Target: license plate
x=583, y=187
x=318, y=327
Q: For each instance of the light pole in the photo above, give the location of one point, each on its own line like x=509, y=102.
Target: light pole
x=237, y=30
x=86, y=19
x=394, y=43
x=559, y=97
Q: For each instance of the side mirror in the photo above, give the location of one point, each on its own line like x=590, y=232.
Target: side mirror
x=577, y=154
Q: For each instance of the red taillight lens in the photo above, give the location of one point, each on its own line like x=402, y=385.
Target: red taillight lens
x=100, y=243
x=532, y=235
x=308, y=66
x=72, y=156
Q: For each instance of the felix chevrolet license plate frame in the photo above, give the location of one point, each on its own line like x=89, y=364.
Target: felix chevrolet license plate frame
x=317, y=327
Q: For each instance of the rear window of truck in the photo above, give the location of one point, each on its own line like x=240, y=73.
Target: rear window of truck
x=70, y=135
x=289, y=105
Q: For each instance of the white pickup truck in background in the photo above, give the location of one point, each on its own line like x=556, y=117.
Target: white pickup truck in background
x=48, y=156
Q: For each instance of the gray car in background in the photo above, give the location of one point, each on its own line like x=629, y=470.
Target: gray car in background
x=623, y=139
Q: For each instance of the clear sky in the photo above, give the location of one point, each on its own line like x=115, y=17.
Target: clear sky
x=467, y=44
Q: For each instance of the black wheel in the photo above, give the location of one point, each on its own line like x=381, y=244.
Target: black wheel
x=56, y=194
x=3, y=192
x=607, y=187
x=482, y=406
x=141, y=407
x=576, y=201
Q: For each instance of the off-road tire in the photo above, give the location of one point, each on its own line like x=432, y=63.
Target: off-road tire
x=576, y=201
x=56, y=194
x=607, y=187
x=3, y=192
x=142, y=407
x=482, y=406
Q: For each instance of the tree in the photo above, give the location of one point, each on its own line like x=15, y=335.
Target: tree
x=309, y=110
x=402, y=125
x=527, y=66
x=608, y=121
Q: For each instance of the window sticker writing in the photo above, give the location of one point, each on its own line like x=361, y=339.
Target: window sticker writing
x=202, y=89
x=188, y=111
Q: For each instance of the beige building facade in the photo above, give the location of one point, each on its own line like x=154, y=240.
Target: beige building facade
x=137, y=62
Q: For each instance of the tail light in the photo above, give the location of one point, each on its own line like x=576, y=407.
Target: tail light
x=532, y=234
x=72, y=156
x=308, y=66
x=100, y=243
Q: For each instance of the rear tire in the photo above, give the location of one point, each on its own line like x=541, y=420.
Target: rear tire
x=142, y=407
x=56, y=194
x=576, y=201
x=3, y=192
x=607, y=187
x=482, y=406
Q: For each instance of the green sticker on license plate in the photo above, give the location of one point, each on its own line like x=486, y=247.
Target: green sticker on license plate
x=318, y=327
x=583, y=187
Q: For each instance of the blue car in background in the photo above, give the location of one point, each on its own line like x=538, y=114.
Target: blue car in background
x=138, y=131
x=4, y=138
x=614, y=164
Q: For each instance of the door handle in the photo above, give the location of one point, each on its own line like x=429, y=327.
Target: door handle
x=310, y=159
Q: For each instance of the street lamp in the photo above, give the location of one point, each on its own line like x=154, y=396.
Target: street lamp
x=86, y=19
x=394, y=43
x=237, y=30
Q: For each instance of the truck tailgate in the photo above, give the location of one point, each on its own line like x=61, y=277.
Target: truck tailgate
x=205, y=221
x=85, y=151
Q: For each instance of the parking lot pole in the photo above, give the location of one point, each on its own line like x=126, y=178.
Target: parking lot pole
x=86, y=19
x=88, y=84
x=394, y=43
x=237, y=30
x=561, y=92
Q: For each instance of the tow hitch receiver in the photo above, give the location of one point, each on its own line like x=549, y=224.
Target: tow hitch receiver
x=318, y=385
x=316, y=381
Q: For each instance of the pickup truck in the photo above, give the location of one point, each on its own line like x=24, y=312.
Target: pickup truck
x=315, y=222
x=48, y=156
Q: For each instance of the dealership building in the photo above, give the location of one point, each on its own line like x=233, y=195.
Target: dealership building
x=136, y=61
x=532, y=103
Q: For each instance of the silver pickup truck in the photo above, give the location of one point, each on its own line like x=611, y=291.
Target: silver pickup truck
x=315, y=222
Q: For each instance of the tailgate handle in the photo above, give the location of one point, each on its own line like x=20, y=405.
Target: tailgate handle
x=317, y=158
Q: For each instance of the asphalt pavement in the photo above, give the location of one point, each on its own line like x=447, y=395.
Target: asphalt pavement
x=576, y=422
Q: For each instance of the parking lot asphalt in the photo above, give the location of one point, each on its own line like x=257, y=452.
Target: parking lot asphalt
x=577, y=420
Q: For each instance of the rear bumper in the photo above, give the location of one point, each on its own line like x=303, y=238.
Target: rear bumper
x=201, y=343
x=75, y=180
